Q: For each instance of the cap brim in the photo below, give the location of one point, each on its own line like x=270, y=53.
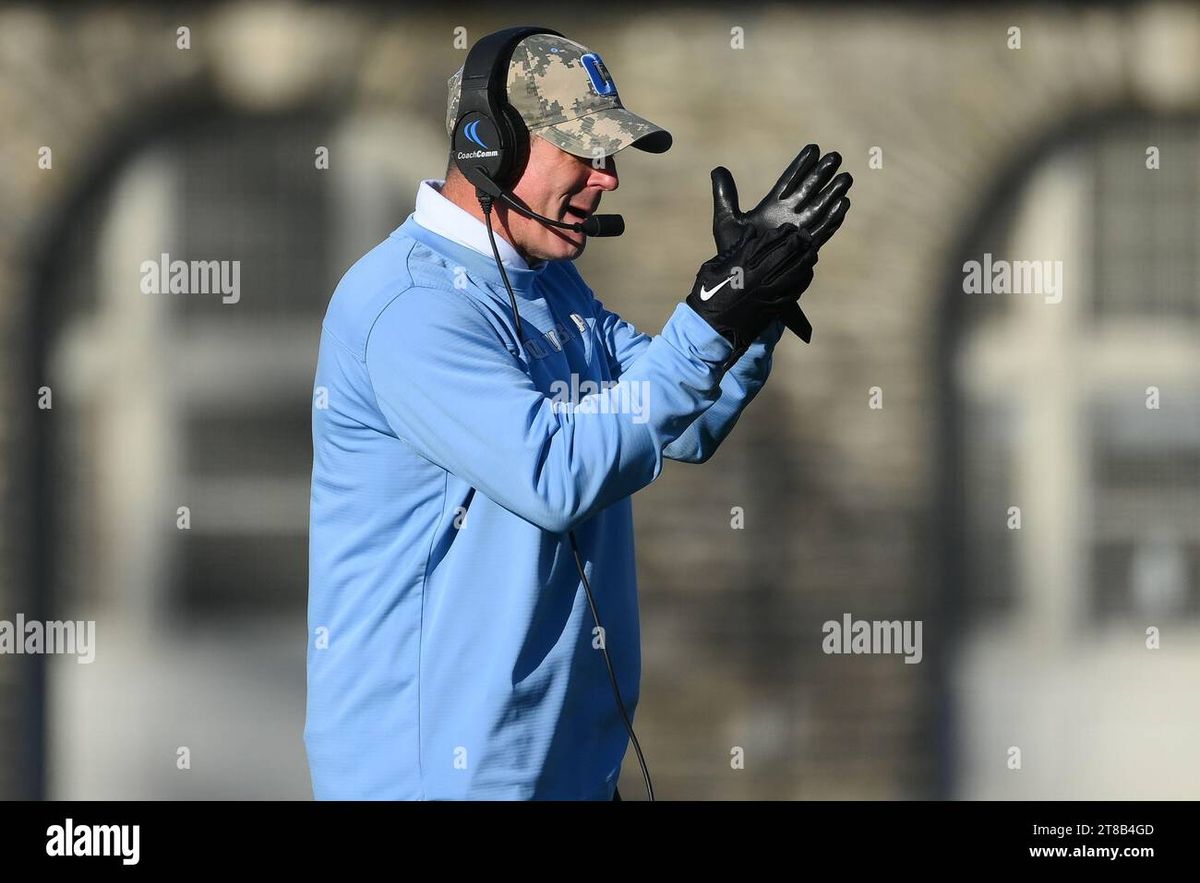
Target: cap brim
x=606, y=132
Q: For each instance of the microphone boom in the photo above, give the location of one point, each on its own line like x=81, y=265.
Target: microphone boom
x=596, y=225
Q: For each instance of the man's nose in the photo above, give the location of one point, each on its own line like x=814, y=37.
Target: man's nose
x=605, y=176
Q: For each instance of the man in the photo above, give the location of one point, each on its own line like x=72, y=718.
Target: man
x=452, y=650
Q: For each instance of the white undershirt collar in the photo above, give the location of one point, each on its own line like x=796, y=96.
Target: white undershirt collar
x=439, y=215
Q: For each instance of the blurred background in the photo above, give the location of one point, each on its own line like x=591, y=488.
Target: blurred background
x=876, y=473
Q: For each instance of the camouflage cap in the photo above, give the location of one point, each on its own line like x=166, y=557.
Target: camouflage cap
x=564, y=93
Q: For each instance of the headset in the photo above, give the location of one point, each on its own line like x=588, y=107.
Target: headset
x=490, y=143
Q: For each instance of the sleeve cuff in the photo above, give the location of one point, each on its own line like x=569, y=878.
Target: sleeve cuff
x=705, y=340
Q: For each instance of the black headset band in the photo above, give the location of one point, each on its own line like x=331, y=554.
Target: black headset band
x=486, y=66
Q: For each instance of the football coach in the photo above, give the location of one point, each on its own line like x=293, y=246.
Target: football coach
x=480, y=423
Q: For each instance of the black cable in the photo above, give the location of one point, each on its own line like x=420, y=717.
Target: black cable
x=485, y=202
x=608, y=662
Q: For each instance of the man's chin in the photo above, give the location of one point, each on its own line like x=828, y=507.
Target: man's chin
x=566, y=249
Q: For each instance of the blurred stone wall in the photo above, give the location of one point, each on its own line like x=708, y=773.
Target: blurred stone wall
x=837, y=497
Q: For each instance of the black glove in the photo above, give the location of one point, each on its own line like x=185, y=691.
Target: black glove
x=748, y=284
x=804, y=195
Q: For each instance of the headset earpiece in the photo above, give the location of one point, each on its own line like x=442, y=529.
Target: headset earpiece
x=490, y=138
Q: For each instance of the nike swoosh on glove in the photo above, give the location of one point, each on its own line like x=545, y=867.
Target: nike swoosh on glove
x=740, y=290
